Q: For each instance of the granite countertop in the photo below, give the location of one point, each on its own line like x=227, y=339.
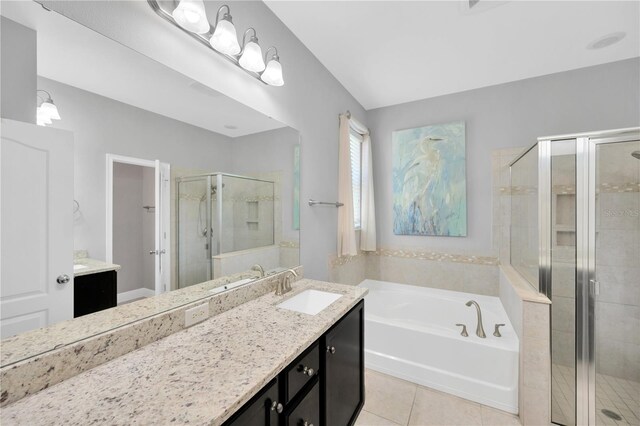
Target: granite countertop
x=200, y=375
x=92, y=266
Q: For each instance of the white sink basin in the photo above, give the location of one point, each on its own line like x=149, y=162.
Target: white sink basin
x=310, y=301
x=78, y=267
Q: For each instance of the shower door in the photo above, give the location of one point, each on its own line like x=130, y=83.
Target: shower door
x=589, y=201
x=194, y=229
x=614, y=278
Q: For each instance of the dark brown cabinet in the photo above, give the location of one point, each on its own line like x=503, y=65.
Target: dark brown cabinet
x=324, y=386
x=94, y=292
x=307, y=412
x=262, y=409
x=343, y=370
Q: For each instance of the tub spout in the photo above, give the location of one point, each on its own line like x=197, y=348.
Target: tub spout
x=479, y=328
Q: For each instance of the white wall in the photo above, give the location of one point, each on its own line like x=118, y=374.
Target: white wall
x=507, y=115
x=100, y=126
x=310, y=100
x=18, y=72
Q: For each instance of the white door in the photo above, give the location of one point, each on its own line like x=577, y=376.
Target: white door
x=36, y=227
x=162, y=242
x=163, y=259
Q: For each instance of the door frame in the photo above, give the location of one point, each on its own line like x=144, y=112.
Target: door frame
x=586, y=283
x=162, y=215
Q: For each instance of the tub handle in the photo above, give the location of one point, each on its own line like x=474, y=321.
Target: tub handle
x=496, y=332
x=464, y=330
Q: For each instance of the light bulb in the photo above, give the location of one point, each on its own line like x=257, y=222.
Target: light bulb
x=50, y=110
x=251, y=58
x=42, y=118
x=225, y=39
x=272, y=75
x=191, y=15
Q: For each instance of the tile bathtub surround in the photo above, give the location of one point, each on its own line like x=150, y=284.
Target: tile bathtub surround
x=530, y=314
x=130, y=330
x=199, y=375
x=450, y=271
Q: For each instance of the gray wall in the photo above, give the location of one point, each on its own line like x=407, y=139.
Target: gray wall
x=148, y=227
x=129, y=239
x=507, y=115
x=100, y=126
x=17, y=72
x=310, y=100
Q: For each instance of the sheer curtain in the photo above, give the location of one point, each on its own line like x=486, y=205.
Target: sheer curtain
x=346, y=232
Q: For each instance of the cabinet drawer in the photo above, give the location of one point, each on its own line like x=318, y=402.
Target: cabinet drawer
x=307, y=412
x=301, y=371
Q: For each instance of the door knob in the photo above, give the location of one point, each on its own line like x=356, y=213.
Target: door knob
x=63, y=279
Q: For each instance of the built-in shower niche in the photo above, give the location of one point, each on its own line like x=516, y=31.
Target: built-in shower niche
x=226, y=223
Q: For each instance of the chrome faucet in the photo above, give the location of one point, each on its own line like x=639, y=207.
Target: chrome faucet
x=258, y=268
x=284, y=284
x=479, y=329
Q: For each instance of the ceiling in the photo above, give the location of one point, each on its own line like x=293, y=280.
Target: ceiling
x=75, y=55
x=391, y=52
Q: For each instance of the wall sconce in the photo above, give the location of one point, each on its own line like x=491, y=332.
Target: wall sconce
x=224, y=38
x=190, y=16
x=47, y=110
x=272, y=75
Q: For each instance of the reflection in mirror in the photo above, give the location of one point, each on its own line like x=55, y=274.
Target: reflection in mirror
x=148, y=190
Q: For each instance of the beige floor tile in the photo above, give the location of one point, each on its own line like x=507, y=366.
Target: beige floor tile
x=369, y=419
x=388, y=397
x=493, y=417
x=436, y=408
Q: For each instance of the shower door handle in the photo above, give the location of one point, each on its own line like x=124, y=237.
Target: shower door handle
x=152, y=252
x=595, y=287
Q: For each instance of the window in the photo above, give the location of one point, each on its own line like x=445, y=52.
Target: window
x=355, y=147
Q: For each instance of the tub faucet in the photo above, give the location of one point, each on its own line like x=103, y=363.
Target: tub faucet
x=258, y=268
x=479, y=329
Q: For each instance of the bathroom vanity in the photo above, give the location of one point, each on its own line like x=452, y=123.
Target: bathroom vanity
x=228, y=369
x=94, y=286
x=323, y=386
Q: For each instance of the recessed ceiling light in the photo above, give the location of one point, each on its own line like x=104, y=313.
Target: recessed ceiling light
x=606, y=40
x=230, y=127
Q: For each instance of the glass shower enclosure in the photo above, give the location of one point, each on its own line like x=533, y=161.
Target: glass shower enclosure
x=575, y=236
x=219, y=213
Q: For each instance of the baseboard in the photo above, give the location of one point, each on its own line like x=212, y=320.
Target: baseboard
x=135, y=294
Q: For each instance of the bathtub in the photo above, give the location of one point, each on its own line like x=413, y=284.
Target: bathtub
x=410, y=333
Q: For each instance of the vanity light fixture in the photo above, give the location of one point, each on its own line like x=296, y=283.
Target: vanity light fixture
x=190, y=16
x=47, y=110
x=272, y=75
x=224, y=38
x=251, y=55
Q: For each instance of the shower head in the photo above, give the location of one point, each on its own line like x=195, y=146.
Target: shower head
x=636, y=154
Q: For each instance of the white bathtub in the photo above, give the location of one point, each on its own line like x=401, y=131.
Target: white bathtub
x=410, y=333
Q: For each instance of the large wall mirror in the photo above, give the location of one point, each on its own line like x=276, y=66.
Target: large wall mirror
x=147, y=191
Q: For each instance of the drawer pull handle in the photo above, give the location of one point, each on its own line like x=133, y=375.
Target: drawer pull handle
x=307, y=371
x=277, y=407
x=306, y=423
x=331, y=349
